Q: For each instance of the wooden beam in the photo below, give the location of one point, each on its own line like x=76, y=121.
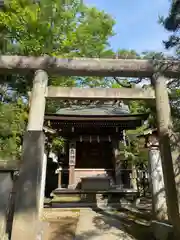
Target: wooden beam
x=100, y=93
x=90, y=67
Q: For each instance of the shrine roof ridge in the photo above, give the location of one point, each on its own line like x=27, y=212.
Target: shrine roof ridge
x=95, y=110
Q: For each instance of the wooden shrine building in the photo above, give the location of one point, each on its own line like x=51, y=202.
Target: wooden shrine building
x=94, y=138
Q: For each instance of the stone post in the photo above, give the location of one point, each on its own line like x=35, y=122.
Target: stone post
x=157, y=181
x=163, y=116
x=72, y=163
x=31, y=181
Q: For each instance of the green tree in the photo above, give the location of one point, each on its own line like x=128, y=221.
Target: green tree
x=56, y=28
x=13, y=116
x=172, y=24
x=48, y=27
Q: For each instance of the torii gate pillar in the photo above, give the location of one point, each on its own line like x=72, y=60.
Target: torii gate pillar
x=28, y=204
x=163, y=120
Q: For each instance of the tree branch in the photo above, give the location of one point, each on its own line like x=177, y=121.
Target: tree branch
x=129, y=84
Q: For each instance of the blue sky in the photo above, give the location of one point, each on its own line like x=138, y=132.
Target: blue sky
x=137, y=25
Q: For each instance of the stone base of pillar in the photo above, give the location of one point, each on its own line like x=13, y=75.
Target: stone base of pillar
x=6, y=185
x=26, y=223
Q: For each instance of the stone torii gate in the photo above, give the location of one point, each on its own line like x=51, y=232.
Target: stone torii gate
x=28, y=204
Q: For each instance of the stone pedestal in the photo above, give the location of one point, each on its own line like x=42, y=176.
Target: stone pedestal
x=96, y=183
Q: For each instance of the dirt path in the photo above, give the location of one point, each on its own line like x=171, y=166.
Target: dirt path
x=61, y=225
x=89, y=224
x=108, y=225
x=94, y=226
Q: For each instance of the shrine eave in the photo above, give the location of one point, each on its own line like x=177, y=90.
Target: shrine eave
x=96, y=118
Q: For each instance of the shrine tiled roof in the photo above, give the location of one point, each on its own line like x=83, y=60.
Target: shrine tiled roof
x=101, y=115
x=95, y=110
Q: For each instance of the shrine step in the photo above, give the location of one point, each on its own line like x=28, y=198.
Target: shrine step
x=66, y=197
x=73, y=205
x=114, y=190
x=76, y=198
x=73, y=197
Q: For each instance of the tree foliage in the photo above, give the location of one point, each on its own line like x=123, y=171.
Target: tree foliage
x=172, y=24
x=13, y=117
x=46, y=27
x=56, y=28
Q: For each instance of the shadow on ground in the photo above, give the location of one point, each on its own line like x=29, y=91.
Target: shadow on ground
x=129, y=227
x=64, y=229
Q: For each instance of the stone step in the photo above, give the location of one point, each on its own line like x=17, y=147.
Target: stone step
x=66, y=199
x=73, y=205
x=77, y=199
x=63, y=194
x=79, y=205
